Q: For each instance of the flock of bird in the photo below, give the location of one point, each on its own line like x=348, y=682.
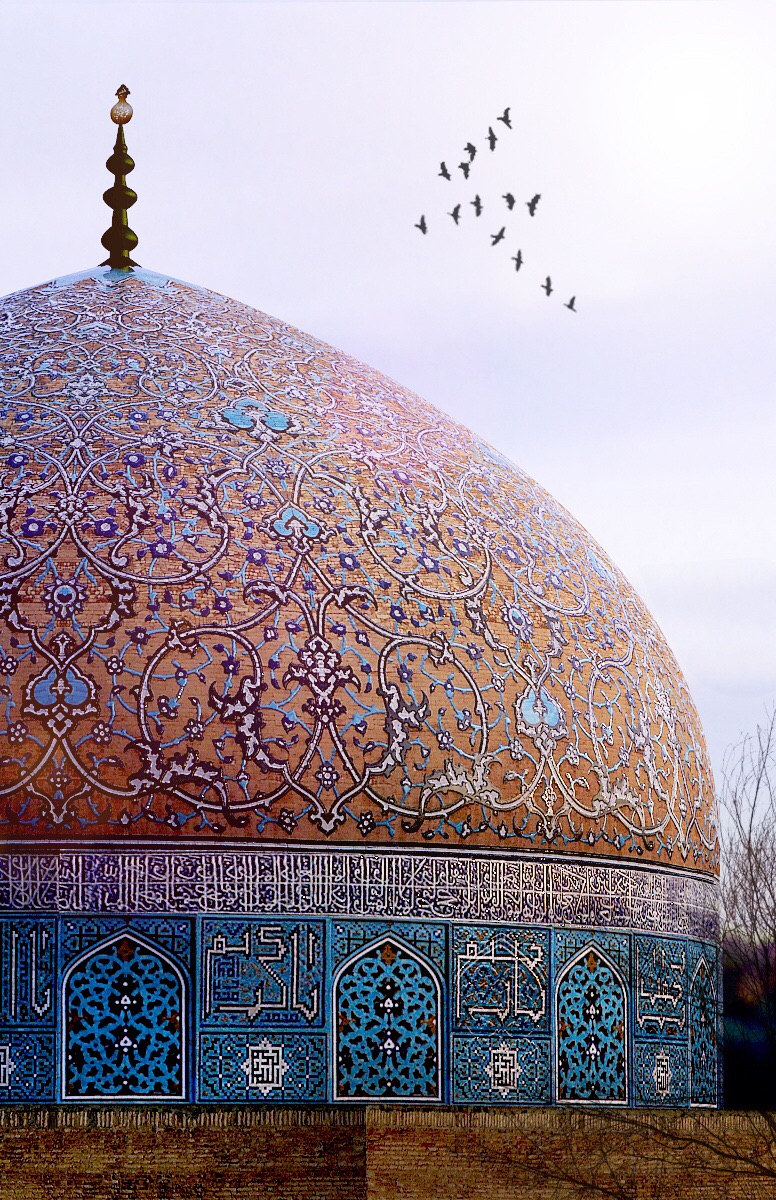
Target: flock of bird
x=465, y=167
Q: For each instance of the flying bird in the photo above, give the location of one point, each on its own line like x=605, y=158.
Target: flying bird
x=444, y=171
x=547, y=285
x=476, y=204
x=510, y=200
x=517, y=259
x=470, y=150
x=492, y=139
x=495, y=238
x=421, y=225
x=531, y=204
x=465, y=167
x=456, y=213
x=505, y=118
x=571, y=304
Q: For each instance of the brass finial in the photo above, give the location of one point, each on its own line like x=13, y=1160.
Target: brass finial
x=119, y=240
x=121, y=111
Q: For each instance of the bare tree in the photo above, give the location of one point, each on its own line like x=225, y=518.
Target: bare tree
x=748, y=904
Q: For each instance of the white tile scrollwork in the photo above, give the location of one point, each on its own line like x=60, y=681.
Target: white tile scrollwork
x=524, y=889
x=265, y=1067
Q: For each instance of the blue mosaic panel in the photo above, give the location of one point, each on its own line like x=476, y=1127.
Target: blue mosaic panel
x=661, y=987
x=124, y=1017
x=500, y=979
x=171, y=934
x=501, y=1070
x=430, y=939
x=27, y=958
x=262, y=973
x=591, y=1015
x=567, y=944
x=27, y=1066
x=660, y=1074
x=698, y=950
x=703, y=1035
x=534, y=1014
x=248, y=1067
x=388, y=1026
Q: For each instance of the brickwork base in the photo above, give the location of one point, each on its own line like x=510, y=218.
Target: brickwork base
x=381, y=1154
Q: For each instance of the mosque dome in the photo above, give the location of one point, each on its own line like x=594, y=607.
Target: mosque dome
x=253, y=588
x=338, y=763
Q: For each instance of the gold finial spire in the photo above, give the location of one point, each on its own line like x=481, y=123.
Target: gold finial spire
x=121, y=111
x=119, y=240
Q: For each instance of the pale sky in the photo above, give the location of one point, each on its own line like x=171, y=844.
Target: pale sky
x=285, y=150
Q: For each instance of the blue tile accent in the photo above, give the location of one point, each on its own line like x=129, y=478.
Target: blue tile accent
x=309, y=1009
x=501, y=1070
x=172, y=934
x=660, y=990
x=500, y=979
x=255, y=1068
x=388, y=1016
x=660, y=1074
x=125, y=1019
x=262, y=974
x=568, y=943
x=27, y=1066
x=27, y=962
x=591, y=1020
x=429, y=938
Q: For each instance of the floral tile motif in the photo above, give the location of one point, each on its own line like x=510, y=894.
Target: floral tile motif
x=252, y=589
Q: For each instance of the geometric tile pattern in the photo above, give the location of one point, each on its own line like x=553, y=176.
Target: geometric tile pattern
x=256, y=1010
x=500, y=979
x=592, y=1034
x=502, y=1070
x=660, y=993
x=388, y=1025
x=660, y=1074
x=27, y=1066
x=244, y=1068
x=124, y=1013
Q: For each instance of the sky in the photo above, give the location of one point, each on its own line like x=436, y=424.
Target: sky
x=285, y=151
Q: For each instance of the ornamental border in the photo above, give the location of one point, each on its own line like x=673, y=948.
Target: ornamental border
x=263, y=881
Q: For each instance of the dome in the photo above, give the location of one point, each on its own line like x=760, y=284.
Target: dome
x=254, y=589
x=338, y=763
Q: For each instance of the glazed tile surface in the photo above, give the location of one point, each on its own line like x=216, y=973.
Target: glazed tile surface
x=253, y=589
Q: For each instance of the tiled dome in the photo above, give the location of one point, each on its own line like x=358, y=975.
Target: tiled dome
x=252, y=589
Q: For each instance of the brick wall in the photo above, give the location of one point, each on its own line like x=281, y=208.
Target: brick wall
x=380, y=1154
x=169, y=1155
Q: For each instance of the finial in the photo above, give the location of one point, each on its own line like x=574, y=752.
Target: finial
x=121, y=112
x=119, y=240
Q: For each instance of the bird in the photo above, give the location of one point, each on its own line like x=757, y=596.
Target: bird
x=470, y=150
x=547, y=285
x=421, y=225
x=456, y=213
x=531, y=204
x=495, y=238
x=492, y=139
x=517, y=259
x=510, y=200
x=571, y=304
x=465, y=167
x=444, y=171
x=505, y=118
x=476, y=204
